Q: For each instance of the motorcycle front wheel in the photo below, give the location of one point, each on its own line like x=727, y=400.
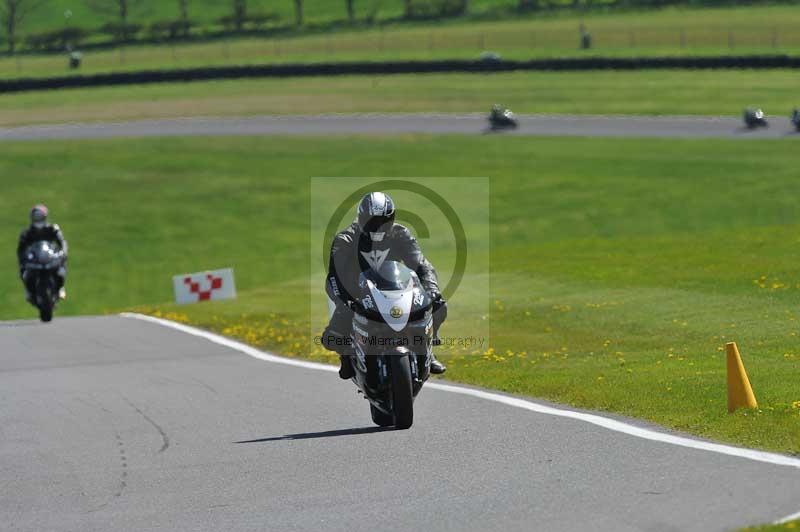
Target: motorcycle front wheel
x=379, y=418
x=402, y=394
x=44, y=297
x=46, y=314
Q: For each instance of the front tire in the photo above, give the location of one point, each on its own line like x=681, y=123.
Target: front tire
x=402, y=394
x=46, y=314
x=44, y=300
x=379, y=418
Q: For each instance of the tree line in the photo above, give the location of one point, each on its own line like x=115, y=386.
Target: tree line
x=120, y=29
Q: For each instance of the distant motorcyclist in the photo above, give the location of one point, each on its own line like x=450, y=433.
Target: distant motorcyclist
x=796, y=118
x=754, y=118
x=496, y=112
x=501, y=118
x=41, y=230
x=368, y=242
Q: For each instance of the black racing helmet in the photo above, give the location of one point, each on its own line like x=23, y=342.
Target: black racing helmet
x=376, y=215
x=39, y=215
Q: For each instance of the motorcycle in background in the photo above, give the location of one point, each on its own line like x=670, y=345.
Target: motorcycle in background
x=796, y=118
x=42, y=262
x=754, y=118
x=502, y=118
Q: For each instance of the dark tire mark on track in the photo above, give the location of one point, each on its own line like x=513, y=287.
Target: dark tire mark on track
x=123, y=459
x=164, y=438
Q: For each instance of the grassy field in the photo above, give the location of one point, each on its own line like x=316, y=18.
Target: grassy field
x=702, y=92
x=614, y=284
x=662, y=32
x=50, y=14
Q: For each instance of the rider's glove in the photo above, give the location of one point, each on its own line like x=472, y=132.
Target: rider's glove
x=439, y=306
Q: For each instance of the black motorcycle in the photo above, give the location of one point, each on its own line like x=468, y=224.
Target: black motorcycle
x=755, y=118
x=392, y=337
x=501, y=118
x=796, y=119
x=42, y=261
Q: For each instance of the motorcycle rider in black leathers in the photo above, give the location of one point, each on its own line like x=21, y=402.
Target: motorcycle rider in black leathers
x=38, y=231
x=496, y=113
x=367, y=243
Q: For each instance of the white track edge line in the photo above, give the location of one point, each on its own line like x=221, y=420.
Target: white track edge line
x=786, y=519
x=594, y=419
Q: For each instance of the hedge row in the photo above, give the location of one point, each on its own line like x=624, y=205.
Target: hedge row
x=397, y=67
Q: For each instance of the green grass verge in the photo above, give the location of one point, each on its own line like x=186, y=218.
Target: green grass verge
x=791, y=525
x=744, y=30
x=618, y=269
x=704, y=92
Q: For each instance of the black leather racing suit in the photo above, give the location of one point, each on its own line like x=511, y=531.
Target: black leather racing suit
x=352, y=252
x=48, y=233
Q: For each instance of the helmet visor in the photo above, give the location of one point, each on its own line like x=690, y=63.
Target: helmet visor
x=378, y=224
x=39, y=216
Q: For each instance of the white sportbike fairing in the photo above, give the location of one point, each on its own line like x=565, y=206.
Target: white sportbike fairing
x=392, y=339
x=394, y=306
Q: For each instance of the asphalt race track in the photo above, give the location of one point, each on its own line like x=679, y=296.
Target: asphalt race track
x=118, y=424
x=382, y=124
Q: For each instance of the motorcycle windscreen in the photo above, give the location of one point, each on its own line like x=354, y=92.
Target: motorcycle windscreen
x=391, y=275
x=42, y=252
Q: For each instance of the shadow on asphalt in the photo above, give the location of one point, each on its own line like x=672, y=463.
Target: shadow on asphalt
x=22, y=323
x=325, y=434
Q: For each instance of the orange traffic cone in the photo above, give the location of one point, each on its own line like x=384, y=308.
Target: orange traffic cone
x=740, y=393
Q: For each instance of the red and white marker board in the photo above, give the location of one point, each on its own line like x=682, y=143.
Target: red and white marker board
x=204, y=286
